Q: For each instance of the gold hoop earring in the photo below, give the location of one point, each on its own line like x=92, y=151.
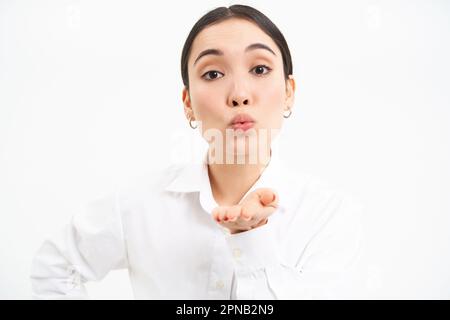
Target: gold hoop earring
x=190, y=124
x=290, y=112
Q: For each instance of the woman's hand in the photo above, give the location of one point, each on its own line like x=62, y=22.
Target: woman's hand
x=252, y=212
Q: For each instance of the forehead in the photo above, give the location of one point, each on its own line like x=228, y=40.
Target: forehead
x=231, y=36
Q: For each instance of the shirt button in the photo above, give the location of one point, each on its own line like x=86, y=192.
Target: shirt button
x=219, y=284
x=237, y=253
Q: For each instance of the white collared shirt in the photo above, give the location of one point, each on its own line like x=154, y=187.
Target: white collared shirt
x=163, y=233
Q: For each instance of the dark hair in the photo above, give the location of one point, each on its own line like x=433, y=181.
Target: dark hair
x=236, y=11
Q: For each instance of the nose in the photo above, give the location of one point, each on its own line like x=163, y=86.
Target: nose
x=239, y=101
x=239, y=95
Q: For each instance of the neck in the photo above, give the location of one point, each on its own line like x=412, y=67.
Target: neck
x=230, y=182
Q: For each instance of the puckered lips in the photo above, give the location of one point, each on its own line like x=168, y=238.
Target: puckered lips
x=242, y=121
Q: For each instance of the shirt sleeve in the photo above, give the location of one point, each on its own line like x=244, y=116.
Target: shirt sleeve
x=86, y=249
x=331, y=265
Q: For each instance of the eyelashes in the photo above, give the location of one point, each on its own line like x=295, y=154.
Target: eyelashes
x=215, y=72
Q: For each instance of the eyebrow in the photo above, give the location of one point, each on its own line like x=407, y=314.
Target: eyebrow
x=218, y=52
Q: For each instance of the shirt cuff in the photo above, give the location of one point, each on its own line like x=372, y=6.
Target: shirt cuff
x=254, y=249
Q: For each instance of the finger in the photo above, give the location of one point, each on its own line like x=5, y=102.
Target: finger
x=222, y=213
x=233, y=213
x=218, y=213
x=274, y=202
x=267, y=197
x=249, y=210
x=215, y=213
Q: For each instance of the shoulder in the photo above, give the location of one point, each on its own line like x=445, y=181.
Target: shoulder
x=325, y=190
x=337, y=213
x=149, y=185
x=320, y=200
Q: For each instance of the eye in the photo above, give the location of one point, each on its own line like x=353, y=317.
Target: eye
x=259, y=70
x=211, y=75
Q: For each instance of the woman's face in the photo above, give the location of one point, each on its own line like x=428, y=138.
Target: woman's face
x=236, y=79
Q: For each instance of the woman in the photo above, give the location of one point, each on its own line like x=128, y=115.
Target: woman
x=240, y=225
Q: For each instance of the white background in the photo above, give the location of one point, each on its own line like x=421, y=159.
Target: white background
x=90, y=99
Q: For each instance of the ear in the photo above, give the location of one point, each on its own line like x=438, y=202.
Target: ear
x=290, y=91
x=185, y=96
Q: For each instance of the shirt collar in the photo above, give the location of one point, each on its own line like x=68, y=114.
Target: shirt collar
x=195, y=178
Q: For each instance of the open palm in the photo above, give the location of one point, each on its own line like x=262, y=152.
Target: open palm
x=253, y=211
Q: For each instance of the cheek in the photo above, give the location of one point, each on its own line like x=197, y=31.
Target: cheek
x=273, y=91
x=273, y=97
x=203, y=105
